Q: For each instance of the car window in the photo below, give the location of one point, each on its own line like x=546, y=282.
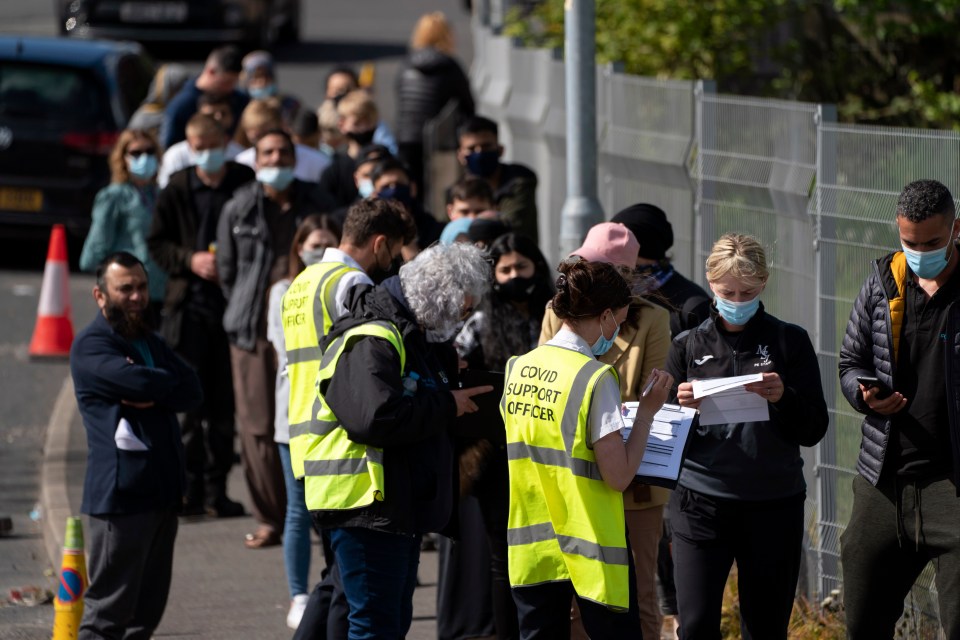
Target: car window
x=33, y=92
x=134, y=73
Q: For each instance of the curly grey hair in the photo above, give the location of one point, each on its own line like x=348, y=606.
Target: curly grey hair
x=439, y=279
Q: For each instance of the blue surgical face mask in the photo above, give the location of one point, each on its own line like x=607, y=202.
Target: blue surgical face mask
x=928, y=264
x=143, y=166
x=209, y=160
x=312, y=256
x=737, y=313
x=365, y=188
x=278, y=178
x=266, y=91
x=483, y=163
x=603, y=344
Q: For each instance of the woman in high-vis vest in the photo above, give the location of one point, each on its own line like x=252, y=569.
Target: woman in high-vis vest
x=569, y=463
x=741, y=491
x=640, y=347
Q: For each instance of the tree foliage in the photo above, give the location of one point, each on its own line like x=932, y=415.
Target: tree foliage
x=879, y=61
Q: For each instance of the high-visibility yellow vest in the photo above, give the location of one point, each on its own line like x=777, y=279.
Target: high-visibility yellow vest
x=340, y=473
x=307, y=317
x=565, y=522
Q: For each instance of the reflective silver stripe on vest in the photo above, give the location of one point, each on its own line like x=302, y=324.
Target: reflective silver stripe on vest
x=303, y=354
x=343, y=467
x=571, y=412
x=319, y=303
x=568, y=544
x=315, y=427
x=503, y=399
x=553, y=458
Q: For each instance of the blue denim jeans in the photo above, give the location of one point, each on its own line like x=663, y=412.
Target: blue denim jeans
x=379, y=574
x=296, y=528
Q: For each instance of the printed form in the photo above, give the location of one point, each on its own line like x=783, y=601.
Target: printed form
x=725, y=400
x=666, y=444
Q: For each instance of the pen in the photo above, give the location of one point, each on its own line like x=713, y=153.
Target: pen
x=649, y=386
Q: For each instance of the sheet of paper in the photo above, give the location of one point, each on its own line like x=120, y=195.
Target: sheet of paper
x=126, y=439
x=734, y=405
x=663, y=456
x=710, y=386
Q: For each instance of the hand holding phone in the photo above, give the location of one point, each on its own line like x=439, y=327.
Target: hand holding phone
x=872, y=382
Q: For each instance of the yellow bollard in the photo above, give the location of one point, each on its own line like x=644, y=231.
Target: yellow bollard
x=73, y=582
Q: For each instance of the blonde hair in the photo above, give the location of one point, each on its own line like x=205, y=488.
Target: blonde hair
x=118, y=161
x=433, y=30
x=359, y=104
x=740, y=256
x=259, y=114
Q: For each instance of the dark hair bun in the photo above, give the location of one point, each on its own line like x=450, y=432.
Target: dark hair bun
x=585, y=289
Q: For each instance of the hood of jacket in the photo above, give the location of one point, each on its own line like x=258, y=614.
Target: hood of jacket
x=380, y=302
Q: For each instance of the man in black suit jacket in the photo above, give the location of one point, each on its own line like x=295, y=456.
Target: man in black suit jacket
x=129, y=386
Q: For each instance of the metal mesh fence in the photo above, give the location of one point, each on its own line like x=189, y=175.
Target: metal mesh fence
x=820, y=196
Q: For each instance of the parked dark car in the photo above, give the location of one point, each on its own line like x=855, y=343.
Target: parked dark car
x=63, y=104
x=256, y=23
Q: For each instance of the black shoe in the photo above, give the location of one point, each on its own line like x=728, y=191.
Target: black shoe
x=224, y=507
x=192, y=509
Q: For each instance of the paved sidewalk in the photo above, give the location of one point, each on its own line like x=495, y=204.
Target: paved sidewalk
x=221, y=590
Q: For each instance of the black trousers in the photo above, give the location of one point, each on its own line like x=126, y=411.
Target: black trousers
x=895, y=529
x=325, y=616
x=208, y=432
x=544, y=611
x=131, y=564
x=764, y=538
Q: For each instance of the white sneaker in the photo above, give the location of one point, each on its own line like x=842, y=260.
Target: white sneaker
x=297, y=606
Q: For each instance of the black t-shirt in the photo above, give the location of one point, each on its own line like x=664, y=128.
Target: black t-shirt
x=920, y=444
x=206, y=298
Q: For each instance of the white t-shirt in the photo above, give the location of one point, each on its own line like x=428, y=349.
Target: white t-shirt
x=178, y=157
x=605, y=416
x=347, y=282
x=309, y=167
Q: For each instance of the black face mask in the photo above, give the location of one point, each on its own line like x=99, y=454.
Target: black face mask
x=401, y=193
x=515, y=289
x=378, y=274
x=362, y=138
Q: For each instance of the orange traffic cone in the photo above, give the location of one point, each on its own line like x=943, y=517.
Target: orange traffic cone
x=68, y=606
x=53, y=333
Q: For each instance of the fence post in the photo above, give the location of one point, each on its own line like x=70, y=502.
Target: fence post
x=581, y=210
x=827, y=549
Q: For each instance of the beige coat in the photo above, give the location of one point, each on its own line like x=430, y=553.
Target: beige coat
x=634, y=353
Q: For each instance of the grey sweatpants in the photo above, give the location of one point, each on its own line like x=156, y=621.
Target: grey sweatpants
x=883, y=551
x=131, y=563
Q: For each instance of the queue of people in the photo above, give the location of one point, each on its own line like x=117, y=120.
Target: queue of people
x=391, y=374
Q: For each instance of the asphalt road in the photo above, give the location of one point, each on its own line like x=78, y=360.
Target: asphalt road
x=335, y=32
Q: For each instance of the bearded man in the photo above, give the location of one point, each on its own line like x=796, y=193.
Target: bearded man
x=129, y=385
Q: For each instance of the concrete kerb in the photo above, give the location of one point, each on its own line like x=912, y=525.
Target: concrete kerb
x=54, y=498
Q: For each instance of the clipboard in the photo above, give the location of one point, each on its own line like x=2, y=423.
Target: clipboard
x=486, y=422
x=667, y=445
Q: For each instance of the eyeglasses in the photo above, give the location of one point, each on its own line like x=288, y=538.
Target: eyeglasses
x=136, y=153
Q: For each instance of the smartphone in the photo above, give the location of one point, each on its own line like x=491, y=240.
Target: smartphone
x=883, y=391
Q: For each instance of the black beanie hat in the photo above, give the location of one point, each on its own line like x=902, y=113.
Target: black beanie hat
x=650, y=225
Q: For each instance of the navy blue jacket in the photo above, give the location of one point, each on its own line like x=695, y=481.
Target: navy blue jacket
x=182, y=106
x=125, y=481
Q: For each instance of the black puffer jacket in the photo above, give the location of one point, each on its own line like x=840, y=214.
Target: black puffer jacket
x=868, y=351
x=427, y=83
x=367, y=395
